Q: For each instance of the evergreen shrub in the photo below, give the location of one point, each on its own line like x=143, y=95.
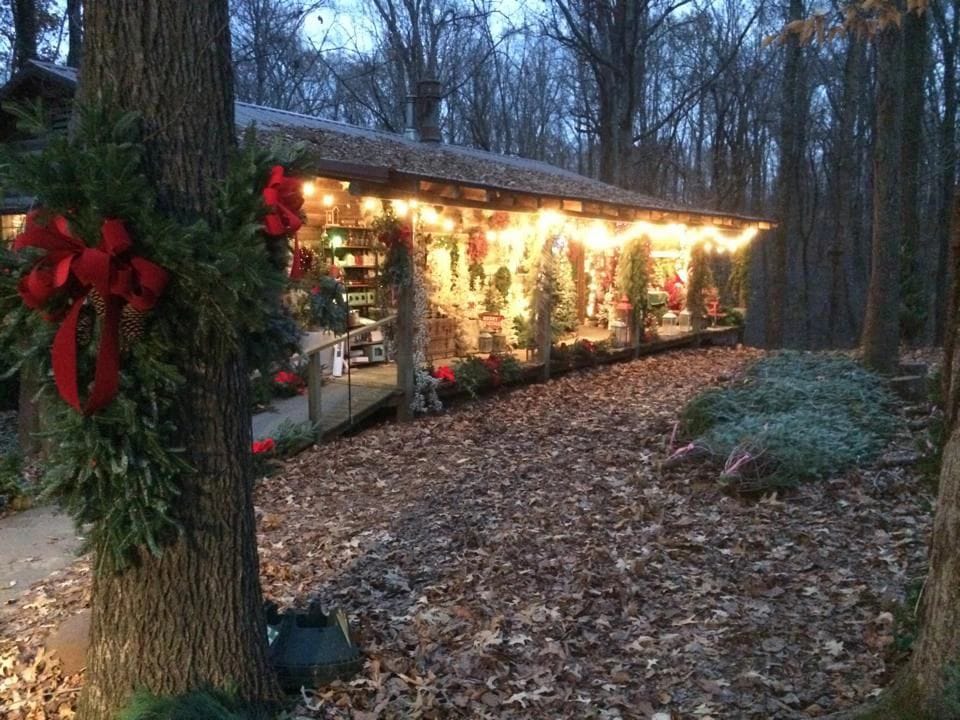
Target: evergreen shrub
x=196, y=705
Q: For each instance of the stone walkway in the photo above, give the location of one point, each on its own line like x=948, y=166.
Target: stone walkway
x=34, y=543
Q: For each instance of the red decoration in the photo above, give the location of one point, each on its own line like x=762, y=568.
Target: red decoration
x=284, y=197
x=261, y=447
x=301, y=261
x=477, y=247
x=444, y=372
x=72, y=270
x=289, y=381
x=676, y=292
x=397, y=235
x=493, y=363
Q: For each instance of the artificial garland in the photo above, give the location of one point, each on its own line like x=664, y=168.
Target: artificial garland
x=101, y=245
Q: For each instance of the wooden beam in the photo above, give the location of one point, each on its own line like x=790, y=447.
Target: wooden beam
x=546, y=203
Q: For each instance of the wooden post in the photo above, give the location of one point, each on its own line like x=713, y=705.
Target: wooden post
x=314, y=385
x=405, y=368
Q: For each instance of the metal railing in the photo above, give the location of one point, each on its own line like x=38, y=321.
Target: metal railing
x=315, y=368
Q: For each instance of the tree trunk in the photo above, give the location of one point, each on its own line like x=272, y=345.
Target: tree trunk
x=75, y=36
x=881, y=332
x=194, y=616
x=913, y=272
x=938, y=645
x=26, y=29
x=949, y=35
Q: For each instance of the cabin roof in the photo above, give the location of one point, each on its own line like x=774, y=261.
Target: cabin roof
x=348, y=151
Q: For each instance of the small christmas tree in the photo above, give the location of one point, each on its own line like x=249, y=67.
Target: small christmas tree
x=565, y=294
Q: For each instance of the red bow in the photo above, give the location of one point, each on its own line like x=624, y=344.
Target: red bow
x=72, y=269
x=284, y=197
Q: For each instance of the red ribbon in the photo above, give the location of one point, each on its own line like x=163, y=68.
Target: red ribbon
x=72, y=269
x=284, y=197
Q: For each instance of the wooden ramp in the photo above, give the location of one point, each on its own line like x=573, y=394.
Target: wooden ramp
x=345, y=401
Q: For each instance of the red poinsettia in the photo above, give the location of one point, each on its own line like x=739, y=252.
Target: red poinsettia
x=445, y=372
x=262, y=447
x=283, y=196
x=493, y=364
x=288, y=382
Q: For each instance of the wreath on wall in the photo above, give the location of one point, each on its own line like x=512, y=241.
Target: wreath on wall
x=397, y=237
x=113, y=299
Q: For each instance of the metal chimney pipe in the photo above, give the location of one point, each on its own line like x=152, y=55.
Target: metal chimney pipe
x=410, y=119
x=428, y=110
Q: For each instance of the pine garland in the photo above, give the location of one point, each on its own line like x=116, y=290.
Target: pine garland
x=121, y=469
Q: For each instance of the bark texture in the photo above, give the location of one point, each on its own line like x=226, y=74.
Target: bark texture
x=75, y=28
x=192, y=617
x=786, y=311
x=881, y=332
x=26, y=29
x=939, y=643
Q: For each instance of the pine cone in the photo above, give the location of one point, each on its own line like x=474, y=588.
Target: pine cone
x=131, y=325
x=96, y=299
x=85, y=327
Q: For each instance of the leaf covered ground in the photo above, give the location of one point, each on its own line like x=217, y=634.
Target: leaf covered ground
x=527, y=556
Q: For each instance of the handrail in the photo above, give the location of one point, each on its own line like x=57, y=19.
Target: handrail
x=359, y=330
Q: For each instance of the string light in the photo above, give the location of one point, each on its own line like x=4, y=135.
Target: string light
x=328, y=200
x=429, y=216
x=309, y=188
x=369, y=204
x=547, y=219
x=448, y=225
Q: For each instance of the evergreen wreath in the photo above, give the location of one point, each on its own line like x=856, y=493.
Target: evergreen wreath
x=397, y=237
x=119, y=468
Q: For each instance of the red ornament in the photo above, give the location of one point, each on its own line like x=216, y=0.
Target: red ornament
x=284, y=197
x=73, y=270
